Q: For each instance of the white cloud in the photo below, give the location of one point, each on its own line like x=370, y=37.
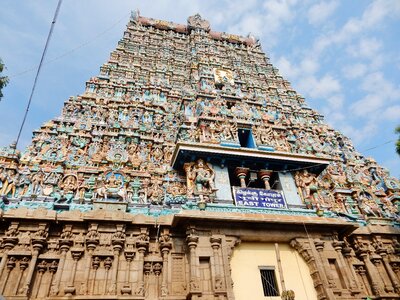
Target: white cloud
x=380, y=93
x=354, y=71
x=309, y=65
x=365, y=48
x=373, y=15
x=286, y=68
x=251, y=22
x=360, y=133
x=320, y=12
x=392, y=113
x=336, y=101
x=319, y=88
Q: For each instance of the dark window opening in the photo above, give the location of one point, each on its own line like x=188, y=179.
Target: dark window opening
x=246, y=138
x=230, y=104
x=268, y=280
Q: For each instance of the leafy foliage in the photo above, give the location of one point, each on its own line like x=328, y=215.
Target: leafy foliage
x=398, y=140
x=3, y=79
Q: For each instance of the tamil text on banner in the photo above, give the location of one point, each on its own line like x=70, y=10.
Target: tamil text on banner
x=259, y=198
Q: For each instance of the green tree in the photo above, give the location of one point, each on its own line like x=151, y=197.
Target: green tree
x=3, y=79
x=398, y=140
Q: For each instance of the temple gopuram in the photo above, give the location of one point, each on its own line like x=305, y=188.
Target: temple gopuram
x=190, y=169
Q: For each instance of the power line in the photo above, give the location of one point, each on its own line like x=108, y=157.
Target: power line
x=380, y=145
x=38, y=72
x=71, y=50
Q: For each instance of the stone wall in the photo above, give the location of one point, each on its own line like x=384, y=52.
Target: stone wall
x=116, y=255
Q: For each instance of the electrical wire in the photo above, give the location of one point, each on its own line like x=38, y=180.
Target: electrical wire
x=380, y=145
x=38, y=72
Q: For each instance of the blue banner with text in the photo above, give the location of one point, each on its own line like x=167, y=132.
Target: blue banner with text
x=259, y=198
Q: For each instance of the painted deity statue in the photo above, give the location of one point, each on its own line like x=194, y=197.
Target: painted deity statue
x=200, y=179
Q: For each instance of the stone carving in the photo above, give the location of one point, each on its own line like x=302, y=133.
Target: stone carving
x=196, y=22
x=200, y=180
x=107, y=159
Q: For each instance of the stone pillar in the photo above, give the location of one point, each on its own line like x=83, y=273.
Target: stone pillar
x=194, y=284
x=265, y=175
x=129, y=255
x=90, y=246
x=108, y=262
x=343, y=266
x=391, y=273
x=346, y=251
x=117, y=247
x=327, y=276
x=37, y=245
x=53, y=269
x=142, y=244
x=23, y=265
x=41, y=268
x=376, y=261
x=362, y=252
x=320, y=283
x=393, y=278
x=76, y=253
x=242, y=173
x=165, y=247
x=10, y=266
x=9, y=242
x=95, y=265
x=219, y=283
x=363, y=274
x=65, y=244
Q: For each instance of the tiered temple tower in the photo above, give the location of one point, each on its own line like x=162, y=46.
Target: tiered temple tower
x=190, y=169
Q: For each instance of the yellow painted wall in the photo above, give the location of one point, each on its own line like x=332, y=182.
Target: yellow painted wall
x=246, y=259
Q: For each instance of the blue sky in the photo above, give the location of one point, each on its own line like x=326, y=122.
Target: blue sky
x=343, y=56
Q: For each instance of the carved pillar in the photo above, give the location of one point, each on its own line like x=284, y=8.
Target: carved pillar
x=142, y=244
x=41, y=267
x=53, y=269
x=108, y=262
x=194, y=283
x=165, y=246
x=65, y=243
x=376, y=261
x=228, y=246
x=242, y=173
x=219, y=283
x=9, y=242
x=346, y=251
x=361, y=271
x=76, y=255
x=118, y=241
x=323, y=292
x=265, y=175
x=23, y=265
x=95, y=265
x=37, y=245
x=10, y=266
x=393, y=278
x=319, y=246
x=343, y=266
x=129, y=255
x=91, y=244
x=362, y=252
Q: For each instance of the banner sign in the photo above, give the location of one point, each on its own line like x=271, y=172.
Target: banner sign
x=259, y=198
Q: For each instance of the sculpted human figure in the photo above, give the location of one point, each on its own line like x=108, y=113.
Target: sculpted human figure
x=200, y=178
x=368, y=206
x=306, y=182
x=9, y=183
x=37, y=183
